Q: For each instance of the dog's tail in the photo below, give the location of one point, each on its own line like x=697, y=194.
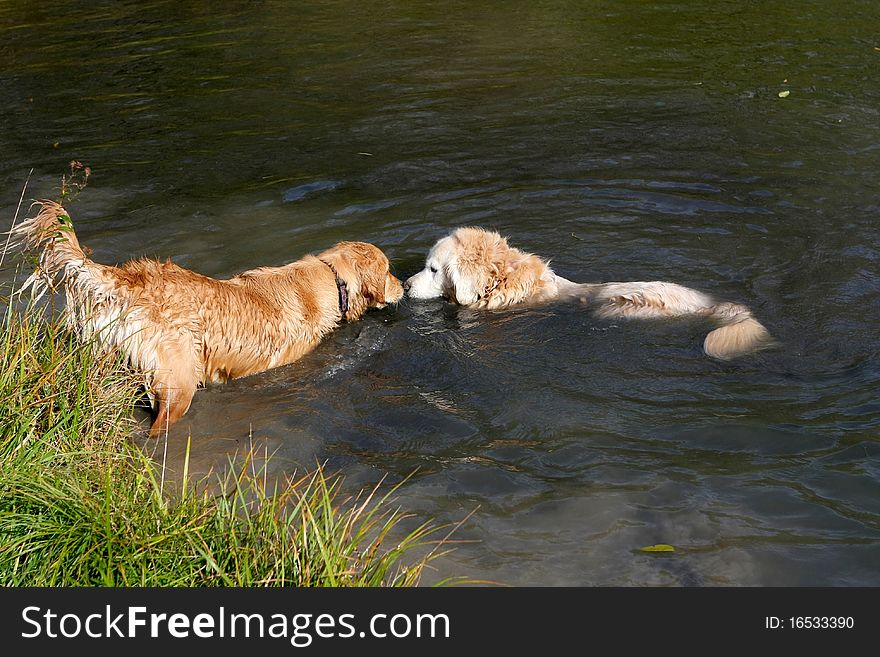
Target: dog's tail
x=738, y=333
x=50, y=235
x=93, y=304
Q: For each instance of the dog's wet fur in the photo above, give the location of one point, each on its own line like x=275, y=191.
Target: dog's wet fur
x=477, y=268
x=182, y=329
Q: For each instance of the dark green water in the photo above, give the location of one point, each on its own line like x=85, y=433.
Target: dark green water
x=627, y=141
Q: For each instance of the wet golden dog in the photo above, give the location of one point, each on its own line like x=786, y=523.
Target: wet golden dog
x=476, y=267
x=183, y=329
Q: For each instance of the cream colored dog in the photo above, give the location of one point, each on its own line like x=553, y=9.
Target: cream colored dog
x=183, y=329
x=477, y=268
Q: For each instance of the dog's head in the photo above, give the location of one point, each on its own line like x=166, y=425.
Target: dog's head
x=367, y=276
x=464, y=267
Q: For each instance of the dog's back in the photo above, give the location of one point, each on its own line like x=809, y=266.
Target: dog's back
x=738, y=333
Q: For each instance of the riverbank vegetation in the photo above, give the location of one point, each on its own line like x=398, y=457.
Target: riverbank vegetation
x=82, y=505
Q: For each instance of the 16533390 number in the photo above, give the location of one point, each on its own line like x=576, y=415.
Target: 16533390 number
x=821, y=622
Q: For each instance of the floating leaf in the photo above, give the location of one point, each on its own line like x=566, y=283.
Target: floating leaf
x=660, y=547
x=784, y=94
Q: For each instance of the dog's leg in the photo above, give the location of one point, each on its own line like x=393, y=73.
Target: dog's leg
x=173, y=399
x=174, y=385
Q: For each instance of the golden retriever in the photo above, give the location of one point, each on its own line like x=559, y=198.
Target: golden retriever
x=183, y=329
x=477, y=268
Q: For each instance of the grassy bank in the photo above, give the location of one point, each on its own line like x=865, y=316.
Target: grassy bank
x=81, y=505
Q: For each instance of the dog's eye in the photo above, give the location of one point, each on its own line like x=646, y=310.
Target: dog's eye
x=433, y=270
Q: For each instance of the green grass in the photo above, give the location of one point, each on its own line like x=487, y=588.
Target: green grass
x=81, y=505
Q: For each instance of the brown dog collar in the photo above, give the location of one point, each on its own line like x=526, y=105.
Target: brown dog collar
x=342, y=288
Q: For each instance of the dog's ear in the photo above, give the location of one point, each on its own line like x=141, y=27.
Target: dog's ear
x=469, y=283
x=372, y=271
x=374, y=283
x=464, y=287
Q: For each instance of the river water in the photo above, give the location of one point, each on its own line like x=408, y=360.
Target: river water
x=624, y=140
